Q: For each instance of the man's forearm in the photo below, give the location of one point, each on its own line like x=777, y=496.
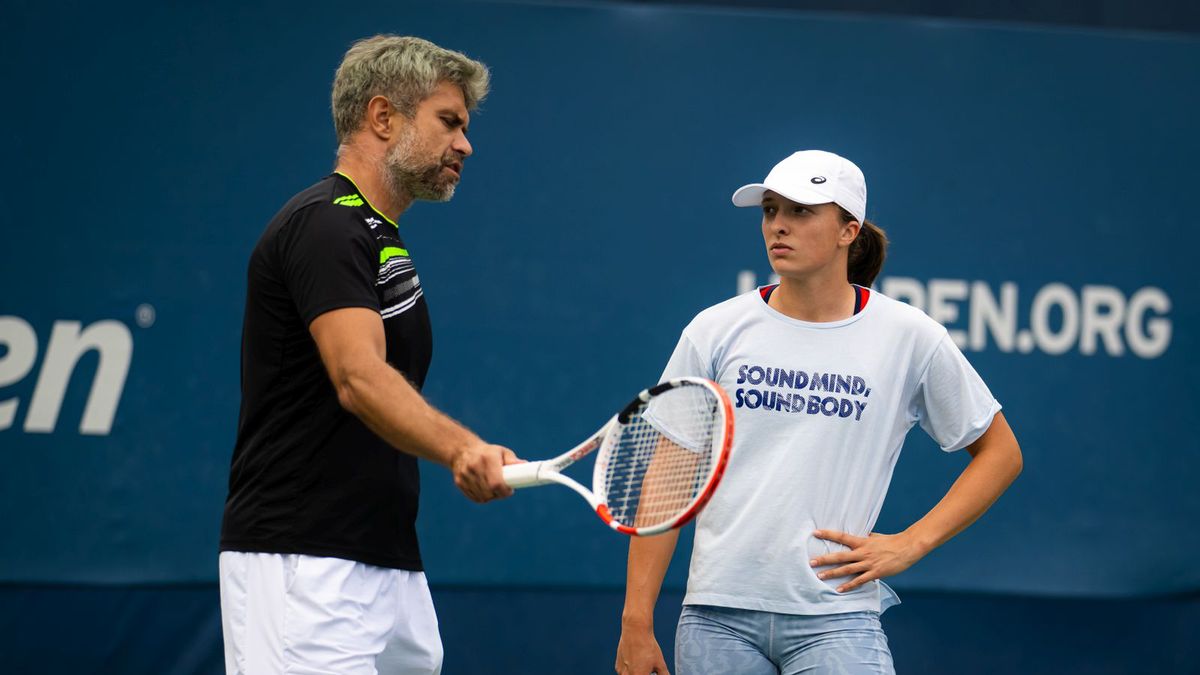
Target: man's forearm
x=352, y=345
x=392, y=408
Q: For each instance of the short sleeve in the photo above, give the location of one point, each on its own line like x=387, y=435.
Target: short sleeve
x=951, y=402
x=673, y=414
x=327, y=264
x=687, y=361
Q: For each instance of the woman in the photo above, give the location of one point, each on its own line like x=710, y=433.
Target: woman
x=826, y=377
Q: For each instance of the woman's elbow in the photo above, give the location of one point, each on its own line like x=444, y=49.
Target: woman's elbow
x=1017, y=461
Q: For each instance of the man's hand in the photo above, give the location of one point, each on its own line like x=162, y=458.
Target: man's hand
x=477, y=470
x=873, y=557
x=638, y=653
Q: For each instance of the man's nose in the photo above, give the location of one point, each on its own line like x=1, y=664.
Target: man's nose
x=461, y=145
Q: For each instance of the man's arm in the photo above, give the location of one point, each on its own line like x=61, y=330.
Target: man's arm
x=353, y=348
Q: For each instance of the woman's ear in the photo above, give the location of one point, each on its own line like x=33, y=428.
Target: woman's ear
x=849, y=232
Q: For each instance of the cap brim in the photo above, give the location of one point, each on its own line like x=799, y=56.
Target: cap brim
x=752, y=194
x=749, y=195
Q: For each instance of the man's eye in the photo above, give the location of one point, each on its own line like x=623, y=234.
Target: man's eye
x=768, y=210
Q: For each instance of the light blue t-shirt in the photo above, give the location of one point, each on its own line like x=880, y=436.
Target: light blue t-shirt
x=821, y=411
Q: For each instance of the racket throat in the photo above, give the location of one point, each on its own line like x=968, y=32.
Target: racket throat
x=606, y=516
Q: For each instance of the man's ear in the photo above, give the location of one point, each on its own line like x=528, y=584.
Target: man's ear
x=384, y=120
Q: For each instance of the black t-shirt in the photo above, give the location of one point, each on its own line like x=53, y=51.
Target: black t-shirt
x=307, y=476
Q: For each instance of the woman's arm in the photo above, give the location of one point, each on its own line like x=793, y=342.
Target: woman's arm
x=638, y=652
x=995, y=463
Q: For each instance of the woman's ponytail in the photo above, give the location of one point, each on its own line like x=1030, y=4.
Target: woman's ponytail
x=867, y=253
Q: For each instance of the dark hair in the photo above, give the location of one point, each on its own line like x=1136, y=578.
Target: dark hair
x=867, y=251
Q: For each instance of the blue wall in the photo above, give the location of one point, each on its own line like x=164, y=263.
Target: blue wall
x=147, y=146
x=555, y=630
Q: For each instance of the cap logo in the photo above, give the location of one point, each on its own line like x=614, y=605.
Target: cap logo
x=818, y=179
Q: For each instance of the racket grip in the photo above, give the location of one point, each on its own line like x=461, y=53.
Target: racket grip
x=523, y=475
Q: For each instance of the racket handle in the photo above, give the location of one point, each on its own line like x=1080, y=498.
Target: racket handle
x=524, y=475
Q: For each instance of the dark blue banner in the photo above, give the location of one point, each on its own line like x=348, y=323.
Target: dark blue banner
x=1035, y=184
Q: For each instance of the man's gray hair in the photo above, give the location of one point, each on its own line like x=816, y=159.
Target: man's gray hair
x=404, y=69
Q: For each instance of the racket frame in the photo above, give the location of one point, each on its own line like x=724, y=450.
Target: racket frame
x=548, y=471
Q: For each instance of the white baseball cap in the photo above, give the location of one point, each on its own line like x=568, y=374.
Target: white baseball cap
x=812, y=177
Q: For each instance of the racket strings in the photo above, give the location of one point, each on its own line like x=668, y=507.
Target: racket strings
x=662, y=459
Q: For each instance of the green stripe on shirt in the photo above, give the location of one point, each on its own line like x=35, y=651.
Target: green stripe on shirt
x=390, y=252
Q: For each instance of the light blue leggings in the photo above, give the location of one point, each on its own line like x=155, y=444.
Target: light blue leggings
x=727, y=641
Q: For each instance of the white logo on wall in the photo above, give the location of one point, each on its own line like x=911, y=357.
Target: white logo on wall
x=1060, y=318
x=69, y=342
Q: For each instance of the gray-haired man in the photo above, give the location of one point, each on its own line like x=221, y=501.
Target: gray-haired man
x=320, y=568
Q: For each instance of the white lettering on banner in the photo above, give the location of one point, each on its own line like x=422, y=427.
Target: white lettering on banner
x=944, y=296
x=21, y=342
x=1093, y=319
x=69, y=341
x=989, y=316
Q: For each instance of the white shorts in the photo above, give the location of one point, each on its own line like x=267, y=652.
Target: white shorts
x=305, y=615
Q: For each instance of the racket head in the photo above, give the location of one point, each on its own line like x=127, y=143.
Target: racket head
x=663, y=456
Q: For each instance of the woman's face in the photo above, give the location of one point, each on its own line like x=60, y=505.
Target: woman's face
x=803, y=240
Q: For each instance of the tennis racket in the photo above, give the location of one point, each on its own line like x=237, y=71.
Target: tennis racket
x=658, y=461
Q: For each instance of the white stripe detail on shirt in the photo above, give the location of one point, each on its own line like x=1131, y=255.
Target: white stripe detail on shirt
x=401, y=307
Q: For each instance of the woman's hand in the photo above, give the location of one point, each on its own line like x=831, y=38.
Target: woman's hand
x=638, y=652
x=873, y=557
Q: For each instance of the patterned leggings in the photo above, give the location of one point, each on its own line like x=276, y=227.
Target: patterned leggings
x=726, y=641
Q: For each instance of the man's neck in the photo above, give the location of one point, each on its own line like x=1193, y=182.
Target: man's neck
x=817, y=300
x=367, y=173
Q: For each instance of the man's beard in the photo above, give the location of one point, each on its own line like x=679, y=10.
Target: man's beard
x=409, y=176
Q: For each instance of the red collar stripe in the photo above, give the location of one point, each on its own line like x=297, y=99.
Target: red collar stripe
x=861, y=296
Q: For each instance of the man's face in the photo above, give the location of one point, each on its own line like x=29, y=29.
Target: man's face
x=426, y=160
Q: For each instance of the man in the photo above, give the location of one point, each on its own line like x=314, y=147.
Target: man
x=320, y=568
